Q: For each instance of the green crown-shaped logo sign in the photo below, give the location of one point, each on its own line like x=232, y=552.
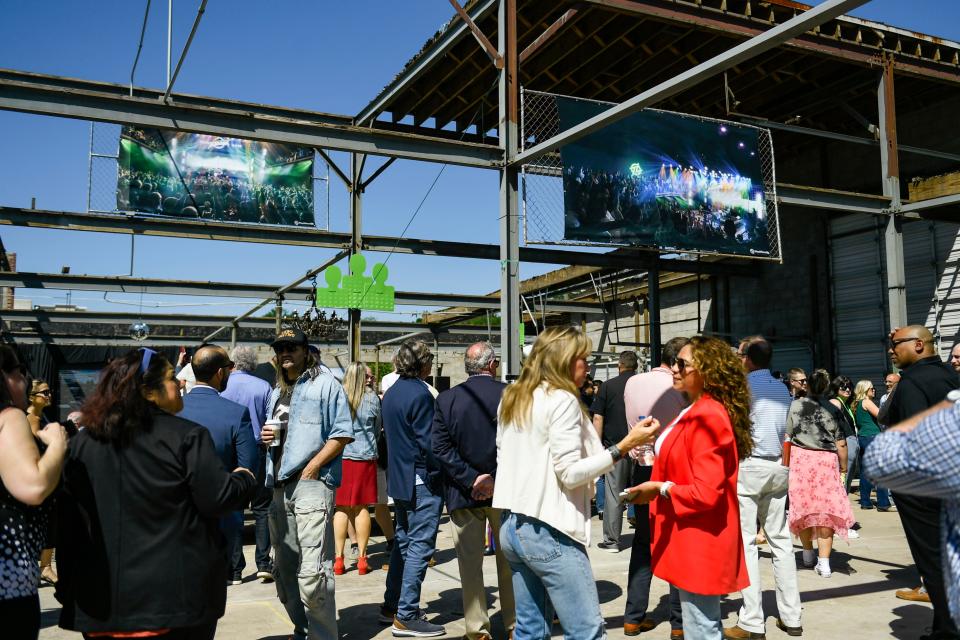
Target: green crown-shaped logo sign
x=356, y=291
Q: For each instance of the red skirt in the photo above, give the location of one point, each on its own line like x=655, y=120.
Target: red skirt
x=358, y=484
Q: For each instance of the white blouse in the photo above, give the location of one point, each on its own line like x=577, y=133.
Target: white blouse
x=546, y=468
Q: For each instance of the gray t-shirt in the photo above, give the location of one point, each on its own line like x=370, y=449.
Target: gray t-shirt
x=811, y=426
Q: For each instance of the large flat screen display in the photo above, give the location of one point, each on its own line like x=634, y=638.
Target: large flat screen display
x=665, y=180
x=192, y=175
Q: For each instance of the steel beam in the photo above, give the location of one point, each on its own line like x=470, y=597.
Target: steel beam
x=741, y=53
x=726, y=23
x=153, y=286
x=932, y=203
x=104, y=102
x=509, y=94
x=182, y=320
x=832, y=200
x=299, y=236
x=356, y=246
x=844, y=137
x=890, y=174
x=437, y=51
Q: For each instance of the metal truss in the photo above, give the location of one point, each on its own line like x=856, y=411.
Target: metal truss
x=106, y=102
x=154, y=286
x=299, y=236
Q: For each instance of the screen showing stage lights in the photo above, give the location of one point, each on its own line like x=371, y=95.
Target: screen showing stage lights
x=665, y=180
x=208, y=177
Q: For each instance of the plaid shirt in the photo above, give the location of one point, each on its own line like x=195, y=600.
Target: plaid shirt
x=926, y=462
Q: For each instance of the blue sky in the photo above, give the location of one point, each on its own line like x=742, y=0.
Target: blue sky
x=325, y=56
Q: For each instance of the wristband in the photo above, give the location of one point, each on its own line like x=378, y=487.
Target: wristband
x=614, y=451
x=665, y=489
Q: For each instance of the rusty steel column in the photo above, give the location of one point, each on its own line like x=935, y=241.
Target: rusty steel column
x=509, y=193
x=356, y=242
x=890, y=165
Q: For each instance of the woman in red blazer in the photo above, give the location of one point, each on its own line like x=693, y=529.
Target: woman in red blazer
x=694, y=513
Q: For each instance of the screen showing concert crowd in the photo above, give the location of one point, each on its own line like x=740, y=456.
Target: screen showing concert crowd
x=190, y=175
x=664, y=180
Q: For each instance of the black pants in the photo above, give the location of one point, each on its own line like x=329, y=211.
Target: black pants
x=921, y=524
x=201, y=632
x=640, y=573
x=20, y=618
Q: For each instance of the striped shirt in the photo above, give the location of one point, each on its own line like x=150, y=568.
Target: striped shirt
x=769, y=403
x=926, y=462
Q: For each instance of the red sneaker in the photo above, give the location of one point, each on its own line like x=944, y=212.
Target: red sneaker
x=338, y=568
x=362, y=567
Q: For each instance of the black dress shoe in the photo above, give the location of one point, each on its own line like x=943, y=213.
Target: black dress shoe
x=790, y=631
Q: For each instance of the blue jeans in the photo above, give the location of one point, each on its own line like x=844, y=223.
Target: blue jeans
x=551, y=571
x=853, y=459
x=701, y=616
x=883, y=496
x=414, y=543
x=599, y=494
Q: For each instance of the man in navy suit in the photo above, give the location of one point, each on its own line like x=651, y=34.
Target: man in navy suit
x=229, y=424
x=465, y=444
x=413, y=483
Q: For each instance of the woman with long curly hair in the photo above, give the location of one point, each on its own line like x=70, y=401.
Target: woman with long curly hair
x=695, y=514
x=818, y=500
x=548, y=457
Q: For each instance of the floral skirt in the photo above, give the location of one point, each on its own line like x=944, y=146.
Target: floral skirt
x=817, y=498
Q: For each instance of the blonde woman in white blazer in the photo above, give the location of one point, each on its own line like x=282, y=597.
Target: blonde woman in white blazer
x=548, y=456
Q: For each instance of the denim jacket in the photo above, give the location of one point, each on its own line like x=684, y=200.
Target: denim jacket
x=318, y=412
x=366, y=429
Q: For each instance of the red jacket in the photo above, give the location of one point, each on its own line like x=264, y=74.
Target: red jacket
x=696, y=538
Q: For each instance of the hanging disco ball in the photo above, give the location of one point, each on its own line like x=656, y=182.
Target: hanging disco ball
x=139, y=331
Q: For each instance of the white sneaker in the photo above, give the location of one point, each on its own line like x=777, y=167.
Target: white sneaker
x=823, y=573
x=852, y=534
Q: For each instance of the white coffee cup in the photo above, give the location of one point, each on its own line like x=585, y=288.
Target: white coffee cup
x=277, y=427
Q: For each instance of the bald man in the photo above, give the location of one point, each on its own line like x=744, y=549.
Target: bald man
x=232, y=431
x=925, y=381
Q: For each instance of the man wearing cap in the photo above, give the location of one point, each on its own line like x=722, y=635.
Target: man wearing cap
x=304, y=470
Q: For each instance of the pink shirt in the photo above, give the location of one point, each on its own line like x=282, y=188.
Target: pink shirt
x=652, y=394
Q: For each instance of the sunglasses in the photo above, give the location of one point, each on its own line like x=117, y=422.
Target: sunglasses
x=899, y=341
x=46, y=393
x=682, y=364
x=800, y=381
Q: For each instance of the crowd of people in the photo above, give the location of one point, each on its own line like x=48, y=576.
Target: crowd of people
x=683, y=202
x=214, y=195
x=714, y=453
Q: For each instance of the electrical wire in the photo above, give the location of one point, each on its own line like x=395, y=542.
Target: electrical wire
x=143, y=30
x=481, y=131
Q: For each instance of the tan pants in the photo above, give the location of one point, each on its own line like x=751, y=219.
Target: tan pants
x=469, y=531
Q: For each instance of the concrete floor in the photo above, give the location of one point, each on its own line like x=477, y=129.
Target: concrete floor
x=856, y=602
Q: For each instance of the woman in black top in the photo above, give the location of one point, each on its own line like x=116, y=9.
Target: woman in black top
x=29, y=478
x=140, y=549
x=841, y=393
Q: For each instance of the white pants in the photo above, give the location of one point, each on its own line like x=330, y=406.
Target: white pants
x=762, y=492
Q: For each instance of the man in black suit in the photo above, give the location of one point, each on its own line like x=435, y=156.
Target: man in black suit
x=229, y=425
x=925, y=380
x=465, y=444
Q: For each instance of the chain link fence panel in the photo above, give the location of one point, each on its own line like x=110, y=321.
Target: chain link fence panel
x=541, y=186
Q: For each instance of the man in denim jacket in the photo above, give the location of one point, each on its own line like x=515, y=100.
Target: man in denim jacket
x=304, y=471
